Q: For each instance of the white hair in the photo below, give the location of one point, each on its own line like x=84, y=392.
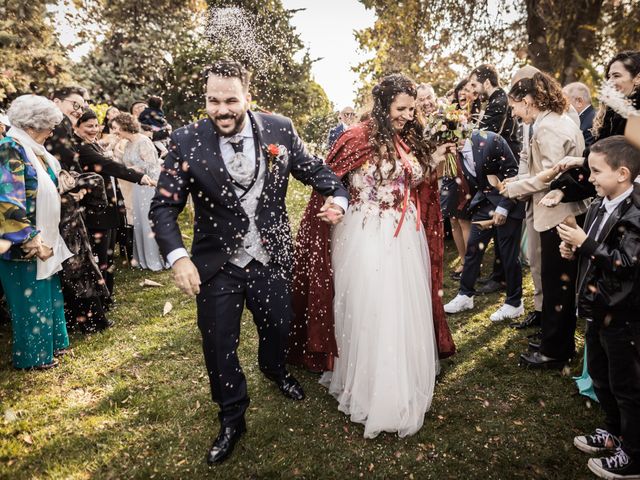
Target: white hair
x=34, y=111
x=578, y=89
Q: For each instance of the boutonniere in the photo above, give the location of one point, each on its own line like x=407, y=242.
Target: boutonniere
x=273, y=152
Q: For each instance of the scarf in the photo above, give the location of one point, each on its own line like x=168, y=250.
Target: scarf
x=47, y=204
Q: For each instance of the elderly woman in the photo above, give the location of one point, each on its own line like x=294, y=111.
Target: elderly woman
x=140, y=154
x=29, y=222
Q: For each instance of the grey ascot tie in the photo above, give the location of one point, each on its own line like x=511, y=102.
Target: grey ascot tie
x=240, y=167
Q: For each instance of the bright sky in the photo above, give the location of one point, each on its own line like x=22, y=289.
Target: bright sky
x=327, y=29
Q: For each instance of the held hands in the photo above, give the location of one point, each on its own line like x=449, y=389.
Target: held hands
x=186, y=276
x=79, y=195
x=567, y=251
x=331, y=212
x=36, y=248
x=148, y=181
x=551, y=199
x=572, y=236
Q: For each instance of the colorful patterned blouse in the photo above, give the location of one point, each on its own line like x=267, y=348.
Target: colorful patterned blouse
x=18, y=189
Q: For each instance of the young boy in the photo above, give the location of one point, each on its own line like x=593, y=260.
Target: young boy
x=608, y=290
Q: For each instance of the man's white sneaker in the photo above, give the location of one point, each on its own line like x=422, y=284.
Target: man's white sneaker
x=507, y=312
x=459, y=304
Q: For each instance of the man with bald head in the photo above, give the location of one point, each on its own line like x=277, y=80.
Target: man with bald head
x=579, y=97
x=426, y=99
x=347, y=117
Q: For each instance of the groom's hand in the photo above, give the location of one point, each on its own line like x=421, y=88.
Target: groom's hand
x=331, y=212
x=186, y=276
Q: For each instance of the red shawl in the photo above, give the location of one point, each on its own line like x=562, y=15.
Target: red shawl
x=312, y=341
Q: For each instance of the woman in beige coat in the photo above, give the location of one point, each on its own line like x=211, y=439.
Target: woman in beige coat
x=539, y=101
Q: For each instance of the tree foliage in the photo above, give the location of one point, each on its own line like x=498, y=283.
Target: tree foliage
x=426, y=38
x=32, y=58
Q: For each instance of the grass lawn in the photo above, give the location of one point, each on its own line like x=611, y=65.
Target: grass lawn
x=133, y=402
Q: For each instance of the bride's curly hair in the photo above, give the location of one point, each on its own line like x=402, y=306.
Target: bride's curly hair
x=382, y=132
x=545, y=90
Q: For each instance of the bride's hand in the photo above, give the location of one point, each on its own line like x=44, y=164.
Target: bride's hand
x=441, y=152
x=331, y=212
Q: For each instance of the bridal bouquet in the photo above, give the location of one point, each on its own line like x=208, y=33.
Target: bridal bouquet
x=449, y=124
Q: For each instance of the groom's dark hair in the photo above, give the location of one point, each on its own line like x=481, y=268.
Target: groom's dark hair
x=229, y=69
x=486, y=72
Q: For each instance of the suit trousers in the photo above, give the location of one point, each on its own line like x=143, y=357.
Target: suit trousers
x=267, y=293
x=558, y=295
x=103, y=244
x=507, y=244
x=613, y=361
x=535, y=258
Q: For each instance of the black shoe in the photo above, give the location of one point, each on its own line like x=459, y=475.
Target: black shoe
x=540, y=361
x=534, y=344
x=618, y=465
x=290, y=388
x=535, y=336
x=224, y=443
x=456, y=275
x=531, y=320
x=490, y=287
x=600, y=442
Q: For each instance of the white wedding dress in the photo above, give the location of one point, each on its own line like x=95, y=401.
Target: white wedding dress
x=386, y=370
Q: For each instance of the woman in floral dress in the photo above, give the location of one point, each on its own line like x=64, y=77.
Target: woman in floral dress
x=377, y=332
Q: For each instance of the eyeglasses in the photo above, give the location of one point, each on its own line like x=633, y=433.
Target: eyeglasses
x=76, y=105
x=349, y=114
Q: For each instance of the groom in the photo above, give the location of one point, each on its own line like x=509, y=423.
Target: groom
x=235, y=164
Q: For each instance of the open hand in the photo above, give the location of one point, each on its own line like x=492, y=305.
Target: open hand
x=551, y=199
x=574, y=237
x=330, y=212
x=186, y=276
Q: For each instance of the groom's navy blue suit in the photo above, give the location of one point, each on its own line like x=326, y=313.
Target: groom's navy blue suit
x=195, y=166
x=492, y=156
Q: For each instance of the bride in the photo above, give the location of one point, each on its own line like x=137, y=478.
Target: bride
x=372, y=329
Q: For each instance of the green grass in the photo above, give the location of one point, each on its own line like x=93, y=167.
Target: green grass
x=133, y=402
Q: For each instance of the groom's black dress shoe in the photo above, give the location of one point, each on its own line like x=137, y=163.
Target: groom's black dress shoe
x=290, y=388
x=490, y=287
x=224, y=443
x=531, y=320
x=539, y=361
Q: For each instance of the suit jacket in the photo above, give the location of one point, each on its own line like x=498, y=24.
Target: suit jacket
x=554, y=137
x=62, y=145
x=498, y=118
x=492, y=156
x=334, y=134
x=194, y=166
x=92, y=159
x=608, y=274
x=586, y=122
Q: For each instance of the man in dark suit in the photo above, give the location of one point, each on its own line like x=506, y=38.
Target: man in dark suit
x=487, y=160
x=580, y=97
x=235, y=164
x=347, y=117
x=497, y=118
x=71, y=102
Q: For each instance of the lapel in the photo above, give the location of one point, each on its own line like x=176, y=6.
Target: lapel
x=470, y=178
x=208, y=151
x=261, y=139
x=615, y=217
x=478, y=161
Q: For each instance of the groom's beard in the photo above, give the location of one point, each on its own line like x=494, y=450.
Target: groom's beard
x=238, y=124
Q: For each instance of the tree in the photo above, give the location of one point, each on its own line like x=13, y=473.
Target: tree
x=564, y=38
x=140, y=39
x=32, y=58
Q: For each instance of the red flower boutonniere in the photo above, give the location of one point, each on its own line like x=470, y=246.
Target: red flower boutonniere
x=273, y=151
